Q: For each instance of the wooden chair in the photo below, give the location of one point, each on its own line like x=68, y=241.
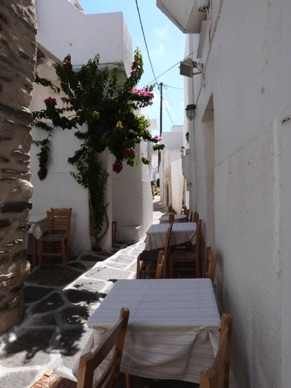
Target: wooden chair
x=113, y=340
x=57, y=241
x=184, y=210
x=192, y=216
x=189, y=215
x=161, y=267
x=217, y=376
x=195, y=217
x=186, y=262
x=146, y=264
x=209, y=266
x=171, y=218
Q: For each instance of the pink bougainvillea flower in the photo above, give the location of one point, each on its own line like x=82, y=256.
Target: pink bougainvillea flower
x=143, y=92
x=128, y=152
x=41, y=175
x=117, y=166
x=157, y=138
x=50, y=102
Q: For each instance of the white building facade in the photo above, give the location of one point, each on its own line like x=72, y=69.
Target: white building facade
x=239, y=158
x=64, y=29
x=171, y=175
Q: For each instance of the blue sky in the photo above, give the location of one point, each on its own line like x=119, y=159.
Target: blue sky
x=166, y=46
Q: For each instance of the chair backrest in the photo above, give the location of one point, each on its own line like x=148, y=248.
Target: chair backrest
x=160, y=273
x=198, y=242
x=167, y=248
x=189, y=215
x=114, y=340
x=59, y=220
x=217, y=376
x=171, y=218
x=184, y=210
x=195, y=217
x=209, y=267
x=168, y=241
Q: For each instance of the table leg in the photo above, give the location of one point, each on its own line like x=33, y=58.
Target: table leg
x=128, y=381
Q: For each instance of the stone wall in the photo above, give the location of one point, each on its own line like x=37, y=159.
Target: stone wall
x=17, y=64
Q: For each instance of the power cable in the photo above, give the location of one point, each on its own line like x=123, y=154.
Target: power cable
x=165, y=106
x=144, y=38
x=166, y=87
x=156, y=78
x=173, y=87
x=150, y=61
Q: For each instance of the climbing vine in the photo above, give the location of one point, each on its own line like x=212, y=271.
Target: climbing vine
x=97, y=97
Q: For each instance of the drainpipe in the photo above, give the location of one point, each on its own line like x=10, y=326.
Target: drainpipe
x=192, y=129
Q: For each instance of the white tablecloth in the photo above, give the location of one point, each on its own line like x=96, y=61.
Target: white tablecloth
x=182, y=232
x=177, y=218
x=173, y=328
x=38, y=225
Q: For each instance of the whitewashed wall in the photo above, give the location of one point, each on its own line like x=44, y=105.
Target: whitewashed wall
x=174, y=138
x=60, y=189
x=63, y=29
x=177, y=180
x=132, y=200
x=171, y=180
x=242, y=188
x=154, y=156
x=171, y=189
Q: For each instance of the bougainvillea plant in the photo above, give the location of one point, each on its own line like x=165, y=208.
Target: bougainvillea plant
x=97, y=97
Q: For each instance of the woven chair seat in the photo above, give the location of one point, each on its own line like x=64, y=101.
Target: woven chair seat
x=54, y=237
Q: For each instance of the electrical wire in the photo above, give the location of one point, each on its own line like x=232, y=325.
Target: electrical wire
x=168, y=98
x=156, y=78
x=173, y=87
x=151, y=65
x=165, y=106
x=145, y=41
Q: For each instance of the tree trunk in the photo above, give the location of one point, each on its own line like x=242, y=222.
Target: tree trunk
x=17, y=65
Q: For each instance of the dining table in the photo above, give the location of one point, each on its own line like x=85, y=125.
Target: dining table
x=182, y=232
x=38, y=226
x=177, y=218
x=173, y=328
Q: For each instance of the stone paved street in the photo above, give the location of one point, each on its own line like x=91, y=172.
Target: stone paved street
x=59, y=303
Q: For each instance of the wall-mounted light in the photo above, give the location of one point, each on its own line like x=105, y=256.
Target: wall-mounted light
x=190, y=111
x=187, y=66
